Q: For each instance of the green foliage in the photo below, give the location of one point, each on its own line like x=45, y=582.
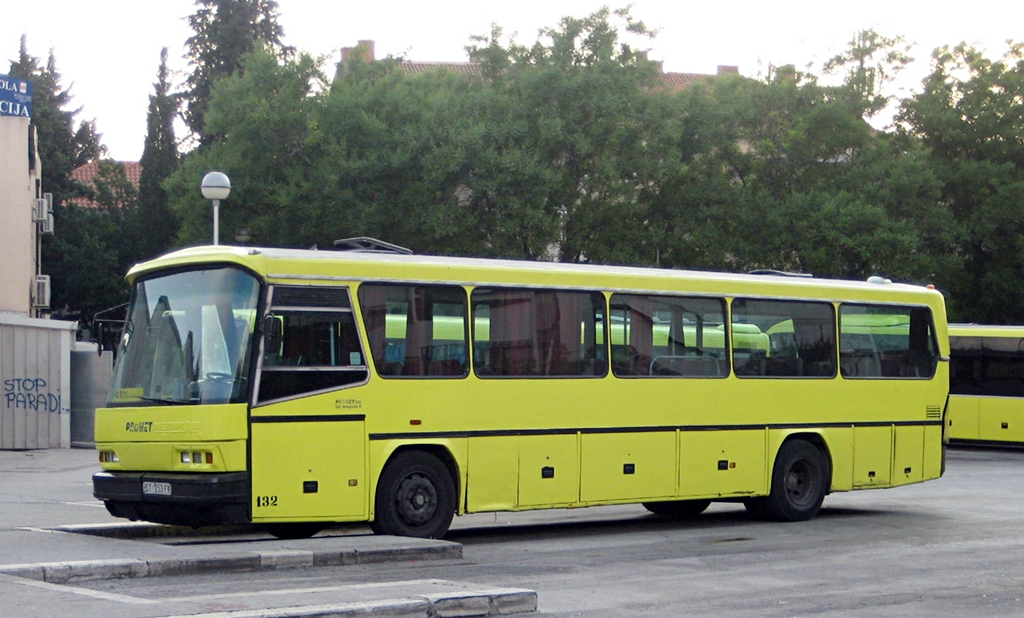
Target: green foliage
x=93, y=247
x=570, y=148
x=157, y=224
x=82, y=259
x=225, y=31
x=267, y=116
x=62, y=146
x=871, y=62
x=579, y=102
x=969, y=116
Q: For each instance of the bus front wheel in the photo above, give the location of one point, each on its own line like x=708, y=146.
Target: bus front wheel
x=798, y=486
x=415, y=497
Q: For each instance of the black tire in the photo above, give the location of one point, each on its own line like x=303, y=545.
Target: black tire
x=302, y=530
x=415, y=497
x=678, y=509
x=800, y=480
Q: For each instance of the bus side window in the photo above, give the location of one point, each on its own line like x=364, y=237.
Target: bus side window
x=1001, y=367
x=537, y=333
x=418, y=331
x=668, y=336
x=801, y=333
x=885, y=341
x=319, y=347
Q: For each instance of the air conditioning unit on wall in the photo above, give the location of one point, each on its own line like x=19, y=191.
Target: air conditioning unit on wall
x=46, y=225
x=41, y=296
x=39, y=212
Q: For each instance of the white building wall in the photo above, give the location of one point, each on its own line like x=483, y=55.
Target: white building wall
x=17, y=229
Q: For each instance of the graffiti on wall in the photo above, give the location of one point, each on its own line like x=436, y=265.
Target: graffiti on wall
x=30, y=394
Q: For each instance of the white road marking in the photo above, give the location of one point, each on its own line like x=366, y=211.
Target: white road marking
x=93, y=503
x=96, y=594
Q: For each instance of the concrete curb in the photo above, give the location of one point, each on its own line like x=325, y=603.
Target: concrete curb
x=89, y=570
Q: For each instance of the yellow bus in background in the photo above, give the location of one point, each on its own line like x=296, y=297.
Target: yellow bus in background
x=986, y=402
x=294, y=388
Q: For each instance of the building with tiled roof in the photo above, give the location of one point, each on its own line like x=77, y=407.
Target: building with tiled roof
x=418, y=68
x=87, y=174
x=678, y=81
x=365, y=49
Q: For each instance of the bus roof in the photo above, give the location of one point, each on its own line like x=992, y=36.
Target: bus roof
x=985, y=330
x=296, y=265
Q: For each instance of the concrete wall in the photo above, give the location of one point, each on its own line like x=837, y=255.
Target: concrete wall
x=17, y=229
x=90, y=381
x=35, y=376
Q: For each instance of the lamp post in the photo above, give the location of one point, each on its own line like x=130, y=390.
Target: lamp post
x=216, y=187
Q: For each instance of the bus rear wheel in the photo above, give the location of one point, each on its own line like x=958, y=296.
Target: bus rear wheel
x=415, y=497
x=798, y=487
x=678, y=509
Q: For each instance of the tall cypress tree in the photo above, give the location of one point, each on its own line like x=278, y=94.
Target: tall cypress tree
x=158, y=225
x=225, y=31
x=62, y=147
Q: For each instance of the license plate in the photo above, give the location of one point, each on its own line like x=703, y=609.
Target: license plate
x=156, y=489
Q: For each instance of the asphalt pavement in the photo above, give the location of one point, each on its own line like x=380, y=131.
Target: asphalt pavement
x=52, y=531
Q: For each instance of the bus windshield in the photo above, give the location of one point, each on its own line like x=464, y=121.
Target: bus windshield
x=187, y=339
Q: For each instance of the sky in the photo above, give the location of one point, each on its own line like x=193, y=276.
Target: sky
x=108, y=51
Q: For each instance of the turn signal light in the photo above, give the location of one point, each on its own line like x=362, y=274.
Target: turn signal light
x=109, y=457
x=196, y=457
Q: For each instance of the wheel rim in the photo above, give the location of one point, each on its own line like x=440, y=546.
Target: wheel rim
x=416, y=500
x=801, y=479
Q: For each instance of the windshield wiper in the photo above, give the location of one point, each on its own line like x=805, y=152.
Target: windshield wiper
x=166, y=402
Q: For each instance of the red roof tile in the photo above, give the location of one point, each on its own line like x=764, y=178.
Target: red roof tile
x=417, y=68
x=87, y=173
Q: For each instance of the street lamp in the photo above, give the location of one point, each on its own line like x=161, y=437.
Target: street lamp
x=216, y=187
x=243, y=235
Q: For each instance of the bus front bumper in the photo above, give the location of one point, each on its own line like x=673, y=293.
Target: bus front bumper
x=176, y=499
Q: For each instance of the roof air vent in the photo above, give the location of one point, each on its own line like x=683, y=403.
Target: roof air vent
x=365, y=244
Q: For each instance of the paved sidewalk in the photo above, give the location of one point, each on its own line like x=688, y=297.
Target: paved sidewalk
x=53, y=531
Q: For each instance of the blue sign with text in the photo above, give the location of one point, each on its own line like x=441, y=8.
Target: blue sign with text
x=15, y=97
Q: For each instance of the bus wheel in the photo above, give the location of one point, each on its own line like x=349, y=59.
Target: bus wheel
x=799, y=483
x=294, y=531
x=678, y=509
x=415, y=497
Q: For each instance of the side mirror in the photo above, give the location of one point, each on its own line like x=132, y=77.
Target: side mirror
x=98, y=326
x=272, y=334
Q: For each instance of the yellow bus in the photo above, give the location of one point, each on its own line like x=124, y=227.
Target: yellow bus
x=986, y=389
x=295, y=388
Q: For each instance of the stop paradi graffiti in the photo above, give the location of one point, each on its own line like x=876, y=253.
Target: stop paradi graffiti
x=30, y=394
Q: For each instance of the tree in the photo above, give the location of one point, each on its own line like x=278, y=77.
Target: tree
x=871, y=62
x=94, y=246
x=158, y=226
x=74, y=257
x=579, y=96
x=270, y=152
x=969, y=117
x=62, y=146
x=808, y=185
x=376, y=153
x=225, y=31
